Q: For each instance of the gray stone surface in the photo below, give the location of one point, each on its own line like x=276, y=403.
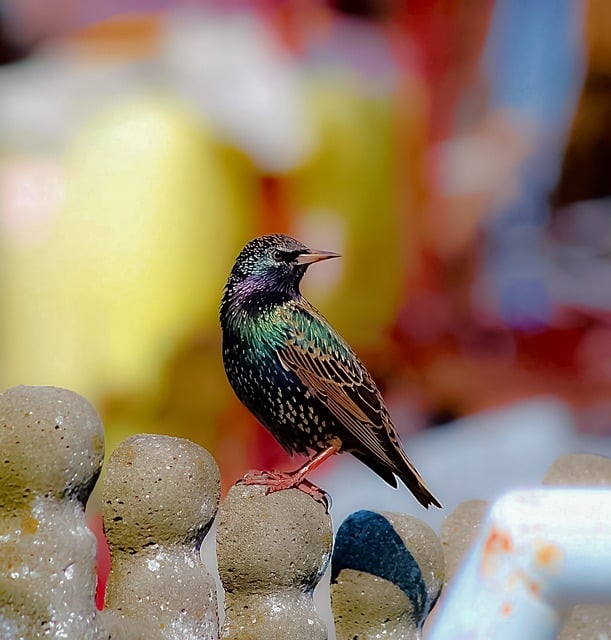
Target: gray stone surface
x=580, y=469
x=424, y=544
x=588, y=622
x=51, y=453
x=113, y=625
x=272, y=551
x=160, y=497
x=459, y=531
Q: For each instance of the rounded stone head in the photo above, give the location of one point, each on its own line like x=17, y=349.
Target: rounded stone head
x=51, y=444
x=159, y=490
x=269, y=542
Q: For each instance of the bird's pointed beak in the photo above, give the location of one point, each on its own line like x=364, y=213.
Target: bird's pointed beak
x=315, y=256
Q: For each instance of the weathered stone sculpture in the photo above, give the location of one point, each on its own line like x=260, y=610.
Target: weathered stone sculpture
x=386, y=575
x=51, y=453
x=160, y=497
x=272, y=550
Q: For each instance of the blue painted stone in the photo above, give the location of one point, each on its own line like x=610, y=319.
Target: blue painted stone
x=366, y=541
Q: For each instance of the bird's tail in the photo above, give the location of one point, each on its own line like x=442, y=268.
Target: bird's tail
x=410, y=477
x=414, y=482
x=406, y=472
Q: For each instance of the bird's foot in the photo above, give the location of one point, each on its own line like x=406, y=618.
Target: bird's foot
x=281, y=480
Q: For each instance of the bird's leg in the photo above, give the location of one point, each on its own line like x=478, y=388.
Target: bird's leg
x=299, y=474
x=280, y=480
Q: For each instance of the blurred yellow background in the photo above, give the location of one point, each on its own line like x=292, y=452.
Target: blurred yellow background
x=455, y=158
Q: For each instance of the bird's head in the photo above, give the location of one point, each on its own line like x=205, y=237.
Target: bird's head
x=272, y=267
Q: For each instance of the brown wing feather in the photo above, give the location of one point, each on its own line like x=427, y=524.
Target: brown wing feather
x=350, y=394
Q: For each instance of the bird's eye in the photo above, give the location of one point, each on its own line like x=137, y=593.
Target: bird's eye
x=280, y=256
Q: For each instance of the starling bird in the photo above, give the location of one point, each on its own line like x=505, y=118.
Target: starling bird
x=298, y=377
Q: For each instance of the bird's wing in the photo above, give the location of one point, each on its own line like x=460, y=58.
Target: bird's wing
x=321, y=359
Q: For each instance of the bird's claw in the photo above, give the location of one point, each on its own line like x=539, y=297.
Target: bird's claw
x=279, y=481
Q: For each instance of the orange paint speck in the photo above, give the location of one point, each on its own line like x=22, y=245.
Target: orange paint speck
x=498, y=542
x=548, y=555
x=506, y=609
